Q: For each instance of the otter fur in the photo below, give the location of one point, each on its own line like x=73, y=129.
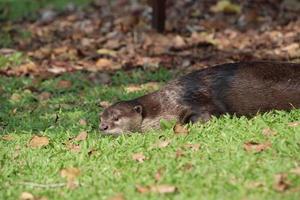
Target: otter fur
x=241, y=89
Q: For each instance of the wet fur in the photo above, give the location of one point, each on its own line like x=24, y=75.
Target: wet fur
x=244, y=88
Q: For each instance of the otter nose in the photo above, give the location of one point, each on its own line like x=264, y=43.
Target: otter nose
x=103, y=127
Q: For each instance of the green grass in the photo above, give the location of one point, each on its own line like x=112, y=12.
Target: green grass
x=221, y=168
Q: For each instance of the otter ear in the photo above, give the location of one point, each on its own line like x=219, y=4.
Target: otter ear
x=138, y=109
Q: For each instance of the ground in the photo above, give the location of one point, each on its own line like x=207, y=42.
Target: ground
x=60, y=66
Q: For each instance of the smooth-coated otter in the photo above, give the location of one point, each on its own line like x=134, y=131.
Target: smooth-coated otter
x=244, y=88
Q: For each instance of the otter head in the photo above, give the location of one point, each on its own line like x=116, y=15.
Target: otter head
x=122, y=117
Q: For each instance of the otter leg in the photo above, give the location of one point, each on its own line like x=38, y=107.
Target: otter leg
x=196, y=117
x=202, y=117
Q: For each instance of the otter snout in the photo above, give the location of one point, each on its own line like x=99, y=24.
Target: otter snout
x=103, y=126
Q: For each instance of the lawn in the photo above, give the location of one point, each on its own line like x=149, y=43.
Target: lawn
x=227, y=158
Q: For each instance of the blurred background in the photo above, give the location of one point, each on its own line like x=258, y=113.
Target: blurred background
x=57, y=36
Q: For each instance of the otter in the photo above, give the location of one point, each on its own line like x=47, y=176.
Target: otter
x=241, y=89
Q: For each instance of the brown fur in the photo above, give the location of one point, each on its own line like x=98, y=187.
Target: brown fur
x=235, y=88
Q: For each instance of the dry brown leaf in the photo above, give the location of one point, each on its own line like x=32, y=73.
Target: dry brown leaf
x=7, y=138
x=187, y=167
x=159, y=173
x=268, y=132
x=178, y=42
x=44, y=96
x=105, y=64
x=179, y=153
x=15, y=97
x=64, y=84
x=109, y=52
x=81, y=136
x=133, y=88
x=293, y=124
x=194, y=147
x=151, y=86
x=117, y=197
x=142, y=189
x=293, y=50
x=281, y=183
x=163, y=189
x=70, y=174
x=14, y=111
x=139, y=157
x=75, y=148
x=104, y=104
x=180, y=130
x=254, y=184
x=92, y=152
x=226, y=6
x=26, y=68
x=162, y=144
x=38, y=141
x=26, y=196
x=296, y=171
x=16, y=152
x=256, y=147
x=82, y=122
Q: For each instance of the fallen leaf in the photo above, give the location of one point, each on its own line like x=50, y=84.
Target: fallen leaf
x=139, y=157
x=117, y=197
x=105, y=64
x=75, y=148
x=82, y=122
x=15, y=97
x=226, y=6
x=296, y=171
x=133, y=88
x=109, y=52
x=71, y=174
x=180, y=129
x=194, y=147
x=254, y=184
x=187, y=167
x=44, y=96
x=81, y=136
x=92, y=152
x=151, y=86
x=64, y=84
x=38, y=141
x=293, y=50
x=142, y=189
x=293, y=124
x=159, y=174
x=16, y=152
x=163, y=189
x=104, y=104
x=26, y=196
x=14, y=111
x=281, y=183
x=256, y=147
x=162, y=144
x=268, y=132
x=178, y=42
x=179, y=153
x=25, y=68
x=7, y=138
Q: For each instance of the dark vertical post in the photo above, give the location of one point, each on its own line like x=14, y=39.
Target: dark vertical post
x=158, y=15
